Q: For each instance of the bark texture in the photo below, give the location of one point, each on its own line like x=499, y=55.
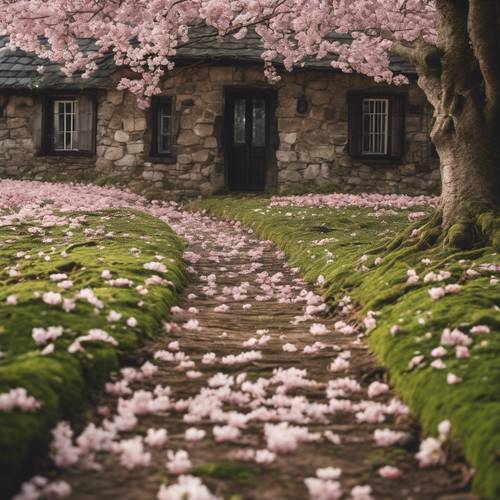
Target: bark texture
x=461, y=78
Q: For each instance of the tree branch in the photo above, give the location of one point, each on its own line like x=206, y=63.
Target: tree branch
x=454, y=41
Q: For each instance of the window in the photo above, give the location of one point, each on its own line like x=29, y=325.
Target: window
x=161, y=129
x=376, y=126
x=66, y=125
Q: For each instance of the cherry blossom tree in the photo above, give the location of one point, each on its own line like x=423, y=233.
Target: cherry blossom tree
x=454, y=45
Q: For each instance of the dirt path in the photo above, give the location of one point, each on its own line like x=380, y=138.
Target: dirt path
x=264, y=299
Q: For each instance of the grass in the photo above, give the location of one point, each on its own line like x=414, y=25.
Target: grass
x=473, y=407
x=64, y=383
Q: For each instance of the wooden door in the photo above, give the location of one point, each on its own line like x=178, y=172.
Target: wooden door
x=247, y=141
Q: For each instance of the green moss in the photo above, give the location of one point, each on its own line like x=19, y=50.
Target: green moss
x=460, y=235
x=64, y=382
x=227, y=470
x=387, y=456
x=473, y=406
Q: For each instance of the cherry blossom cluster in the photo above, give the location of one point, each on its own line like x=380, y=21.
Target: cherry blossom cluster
x=145, y=36
x=18, y=398
x=374, y=201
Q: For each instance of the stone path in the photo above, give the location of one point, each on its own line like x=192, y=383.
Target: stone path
x=314, y=417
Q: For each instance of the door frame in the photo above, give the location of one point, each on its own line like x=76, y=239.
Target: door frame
x=271, y=97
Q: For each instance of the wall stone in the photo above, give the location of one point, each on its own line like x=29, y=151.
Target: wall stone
x=312, y=147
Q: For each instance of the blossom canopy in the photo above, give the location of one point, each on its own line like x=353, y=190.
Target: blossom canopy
x=144, y=35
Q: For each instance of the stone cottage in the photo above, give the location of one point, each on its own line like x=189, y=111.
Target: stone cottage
x=217, y=126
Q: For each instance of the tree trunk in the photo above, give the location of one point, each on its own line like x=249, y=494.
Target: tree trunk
x=470, y=166
x=466, y=134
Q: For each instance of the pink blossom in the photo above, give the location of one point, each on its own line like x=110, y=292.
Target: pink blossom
x=52, y=298
x=209, y=358
x=439, y=352
x=155, y=266
x=113, y=316
x=320, y=489
x=63, y=452
x=65, y=285
x=149, y=369
x=264, y=456
x=178, y=462
x=48, y=349
x=437, y=293
x=480, y=329
x=192, y=324
x=444, y=429
x=288, y=347
x=415, y=361
x=243, y=357
x=18, y=398
x=40, y=487
x=58, y=277
x=187, y=487
x=194, y=434
x=453, y=288
x=339, y=364
x=361, y=492
x=455, y=337
x=318, y=329
x=95, y=438
x=438, y=364
x=132, y=453
x=284, y=438
x=387, y=437
x=453, y=379
x=389, y=472
x=430, y=453
x=156, y=438
x=132, y=322
x=226, y=433
x=462, y=352
x=376, y=389
x=329, y=473
x=395, y=330
x=332, y=437
x=412, y=277
x=11, y=300
x=41, y=335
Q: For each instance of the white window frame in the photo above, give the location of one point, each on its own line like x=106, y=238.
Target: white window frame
x=69, y=119
x=378, y=132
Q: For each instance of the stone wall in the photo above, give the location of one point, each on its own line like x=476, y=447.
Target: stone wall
x=16, y=144
x=312, y=147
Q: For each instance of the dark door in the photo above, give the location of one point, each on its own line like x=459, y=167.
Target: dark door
x=247, y=125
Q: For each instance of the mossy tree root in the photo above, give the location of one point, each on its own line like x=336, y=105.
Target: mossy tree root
x=480, y=227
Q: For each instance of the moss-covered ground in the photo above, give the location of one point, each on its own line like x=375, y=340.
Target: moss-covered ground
x=341, y=245
x=120, y=241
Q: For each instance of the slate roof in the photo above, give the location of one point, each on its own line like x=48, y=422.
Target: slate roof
x=18, y=70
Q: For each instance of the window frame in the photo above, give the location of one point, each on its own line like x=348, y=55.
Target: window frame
x=73, y=131
x=157, y=103
x=372, y=132
x=47, y=147
x=396, y=103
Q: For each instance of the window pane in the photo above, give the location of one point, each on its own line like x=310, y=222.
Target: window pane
x=375, y=124
x=65, y=125
x=259, y=123
x=239, y=121
x=164, y=127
